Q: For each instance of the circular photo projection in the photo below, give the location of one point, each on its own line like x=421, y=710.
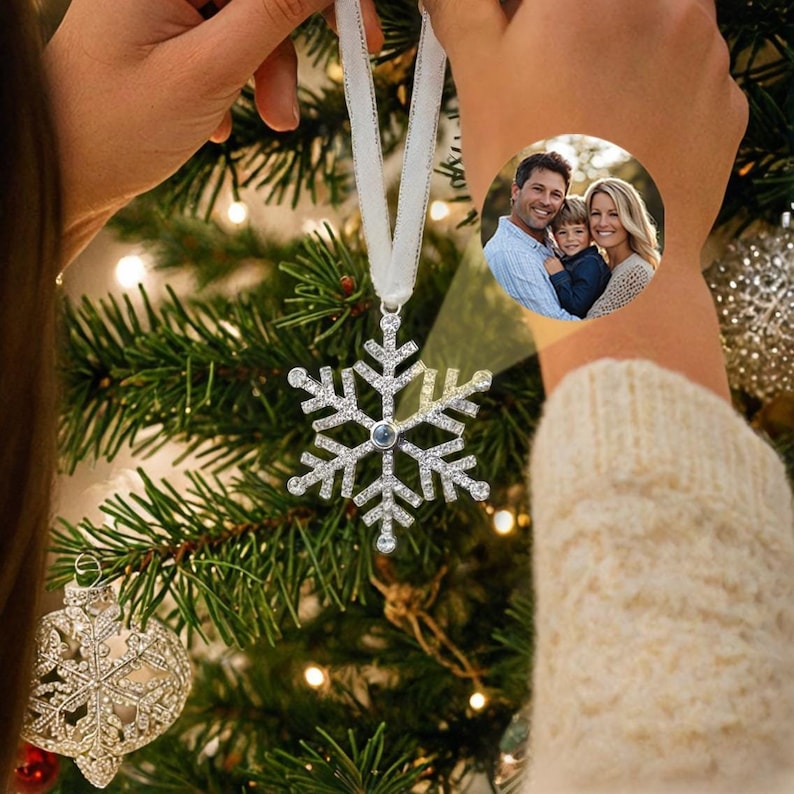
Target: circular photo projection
x=572, y=227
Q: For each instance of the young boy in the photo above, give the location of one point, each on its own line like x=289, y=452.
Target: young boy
x=581, y=274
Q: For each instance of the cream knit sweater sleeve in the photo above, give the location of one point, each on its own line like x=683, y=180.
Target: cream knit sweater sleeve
x=664, y=576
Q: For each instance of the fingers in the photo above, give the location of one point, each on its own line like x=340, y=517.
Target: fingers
x=372, y=28
x=223, y=130
x=276, y=81
x=459, y=24
x=509, y=7
x=246, y=32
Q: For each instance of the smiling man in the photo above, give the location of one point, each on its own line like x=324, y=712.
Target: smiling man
x=518, y=249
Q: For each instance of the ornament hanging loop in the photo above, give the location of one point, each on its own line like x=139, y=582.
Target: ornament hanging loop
x=386, y=310
x=84, y=564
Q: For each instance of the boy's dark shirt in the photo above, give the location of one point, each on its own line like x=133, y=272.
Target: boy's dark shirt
x=582, y=281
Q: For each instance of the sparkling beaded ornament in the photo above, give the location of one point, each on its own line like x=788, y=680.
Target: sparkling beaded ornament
x=513, y=766
x=753, y=287
x=393, y=265
x=101, y=690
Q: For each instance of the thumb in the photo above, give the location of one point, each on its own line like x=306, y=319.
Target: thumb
x=245, y=32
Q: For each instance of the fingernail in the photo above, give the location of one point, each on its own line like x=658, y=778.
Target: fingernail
x=296, y=111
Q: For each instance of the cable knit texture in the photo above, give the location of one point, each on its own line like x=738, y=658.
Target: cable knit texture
x=664, y=575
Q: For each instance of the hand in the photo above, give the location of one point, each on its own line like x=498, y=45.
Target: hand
x=553, y=265
x=650, y=77
x=137, y=86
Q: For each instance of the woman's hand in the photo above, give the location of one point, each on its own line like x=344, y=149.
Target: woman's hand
x=137, y=86
x=652, y=78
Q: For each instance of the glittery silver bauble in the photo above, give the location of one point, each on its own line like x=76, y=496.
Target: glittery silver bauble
x=512, y=767
x=99, y=689
x=753, y=287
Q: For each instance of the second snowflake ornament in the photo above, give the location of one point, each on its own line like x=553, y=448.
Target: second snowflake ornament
x=387, y=435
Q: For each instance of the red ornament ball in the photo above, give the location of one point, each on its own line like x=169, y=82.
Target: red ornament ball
x=36, y=771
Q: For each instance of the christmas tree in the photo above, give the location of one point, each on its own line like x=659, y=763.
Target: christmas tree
x=319, y=663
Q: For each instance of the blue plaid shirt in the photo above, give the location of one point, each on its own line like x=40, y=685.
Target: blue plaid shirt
x=516, y=261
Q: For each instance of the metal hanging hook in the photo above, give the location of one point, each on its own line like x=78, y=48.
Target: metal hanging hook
x=84, y=564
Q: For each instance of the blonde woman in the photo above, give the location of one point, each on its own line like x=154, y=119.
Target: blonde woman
x=621, y=226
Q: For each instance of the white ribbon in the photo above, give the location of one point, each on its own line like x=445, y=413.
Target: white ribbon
x=393, y=262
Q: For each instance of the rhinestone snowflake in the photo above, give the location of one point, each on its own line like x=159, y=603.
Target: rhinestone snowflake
x=101, y=690
x=388, y=435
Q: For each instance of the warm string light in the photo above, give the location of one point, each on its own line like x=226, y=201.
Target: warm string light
x=334, y=72
x=237, y=213
x=322, y=228
x=131, y=270
x=478, y=701
x=439, y=210
x=504, y=521
x=315, y=676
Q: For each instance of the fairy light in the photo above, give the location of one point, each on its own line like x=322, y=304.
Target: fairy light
x=334, y=72
x=130, y=270
x=315, y=676
x=322, y=228
x=237, y=212
x=504, y=521
x=477, y=701
x=439, y=210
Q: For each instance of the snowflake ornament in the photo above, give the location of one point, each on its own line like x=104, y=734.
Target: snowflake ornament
x=100, y=689
x=388, y=435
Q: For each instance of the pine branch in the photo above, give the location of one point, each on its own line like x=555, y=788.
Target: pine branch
x=209, y=252
x=516, y=640
x=237, y=556
x=212, y=374
x=329, y=769
x=331, y=283
x=760, y=36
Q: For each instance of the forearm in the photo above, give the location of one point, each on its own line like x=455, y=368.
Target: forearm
x=664, y=597
x=78, y=233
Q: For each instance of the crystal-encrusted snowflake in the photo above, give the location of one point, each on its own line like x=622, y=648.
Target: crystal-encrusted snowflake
x=388, y=435
x=101, y=689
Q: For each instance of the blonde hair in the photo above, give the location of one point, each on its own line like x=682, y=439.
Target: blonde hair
x=632, y=214
x=29, y=240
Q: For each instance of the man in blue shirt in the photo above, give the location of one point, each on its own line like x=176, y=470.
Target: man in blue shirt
x=518, y=249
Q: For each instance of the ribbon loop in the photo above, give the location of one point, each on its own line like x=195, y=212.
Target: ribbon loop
x=393, y=261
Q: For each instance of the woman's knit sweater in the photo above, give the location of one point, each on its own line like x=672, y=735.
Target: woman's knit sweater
x=664, y=575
